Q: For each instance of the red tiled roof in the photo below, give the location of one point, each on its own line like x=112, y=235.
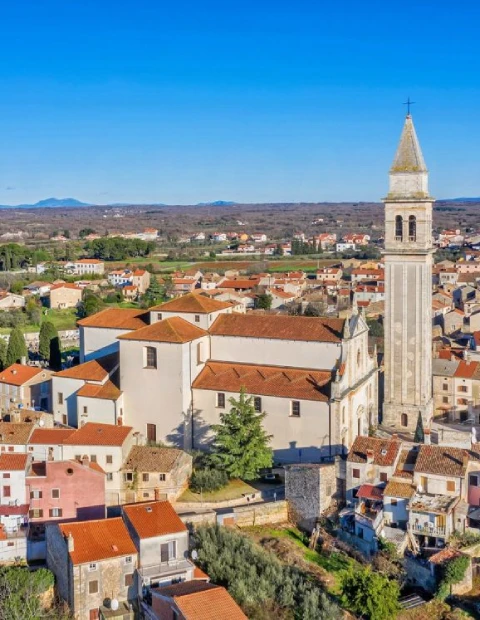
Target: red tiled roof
x=399, y=489
x=94, y=370
x=154, y=519
x=265, y=380
x=107, y=391
x=198, y=600
x=13, y=461
x=15, y=433
x=239, y=284
x=280, y=327
x=51, y=436
x=18, y=374
x=173, y=330
x=369, y=491
x=385, y=451
x=98, y=540
x=441, y=461
x=88, y=261
x=466, y=369
x=117, y=318
x=93, y=434
x=444, y=555
x=66, y=285
x=194, y=303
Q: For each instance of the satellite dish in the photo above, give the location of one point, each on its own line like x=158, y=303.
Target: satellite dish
x=41, y=423
x=114, y=604
x=194, y=555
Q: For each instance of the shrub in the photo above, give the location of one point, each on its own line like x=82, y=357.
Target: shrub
x=208, y=480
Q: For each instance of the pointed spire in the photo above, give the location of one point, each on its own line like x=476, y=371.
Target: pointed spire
x=409, y=156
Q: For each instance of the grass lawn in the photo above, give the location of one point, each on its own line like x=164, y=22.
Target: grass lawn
x=62, y=319
x=235, y=489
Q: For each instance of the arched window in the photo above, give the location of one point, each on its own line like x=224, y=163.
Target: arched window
x=404, y=419
x=412, y=228
x=398, y=228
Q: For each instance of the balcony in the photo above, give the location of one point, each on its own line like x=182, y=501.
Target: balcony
x=427, y=529
x=172, y=567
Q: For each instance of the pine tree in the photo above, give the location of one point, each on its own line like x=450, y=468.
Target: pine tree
x=154, y=294
x=419, y=433
x=47, y=332
x=241, y=445
x=3, y=354
x=17, y=347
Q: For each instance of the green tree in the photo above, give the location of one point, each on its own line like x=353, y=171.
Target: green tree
x=154, y=294
x=17, y=347
x=85, y=232
x=370, y=594
x=21, y=593
x=419, y=432
x=55, y=358
x=91, y=304
x=264, y=301
x=48, y=331
x=376, y=328
x=241, y=445
x=3, y=354
x=33, y=311
x=311, y=310
x=453, y=572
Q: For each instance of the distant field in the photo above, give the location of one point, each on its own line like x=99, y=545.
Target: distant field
x=62, y=319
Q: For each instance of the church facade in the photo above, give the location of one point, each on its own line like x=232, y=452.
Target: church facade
x=408, y=290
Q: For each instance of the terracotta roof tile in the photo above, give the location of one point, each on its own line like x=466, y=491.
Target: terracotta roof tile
x=51, y=436
x=94, y=370
x=98, y=540
x=370, y=491
x=441, y=461
x=173, y=330
x=13, y=461
x=195, y=303
x=399, y=489
x=74, y=287
x=265, y=380
x=15, y=433
x=154, y=519
x=22, y=509
x=444, y=555
x=466, y=369
x=309, y=329
x=117, y=318
x=92, y=434
x=152, y=459
x=107, y=391
x=209, y=605
x=385, y=451
x=19, y=374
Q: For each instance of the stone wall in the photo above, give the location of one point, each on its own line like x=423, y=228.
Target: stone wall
x=261, y=514
x=310, y=490
x=419, y=574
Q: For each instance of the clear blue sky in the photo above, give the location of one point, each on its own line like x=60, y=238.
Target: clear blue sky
x=181, y=102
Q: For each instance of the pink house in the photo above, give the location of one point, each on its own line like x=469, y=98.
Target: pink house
x=65, y=491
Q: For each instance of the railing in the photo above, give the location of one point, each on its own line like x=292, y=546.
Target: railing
x=369, y=519
x=427, y=529
x=165, y=568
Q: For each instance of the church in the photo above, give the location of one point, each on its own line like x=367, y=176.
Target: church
x=170, y=372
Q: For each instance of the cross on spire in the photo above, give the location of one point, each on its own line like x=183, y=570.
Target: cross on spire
x=408, y=103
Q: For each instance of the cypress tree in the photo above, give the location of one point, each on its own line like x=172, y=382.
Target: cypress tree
x=419, y=434
x=55, y=359
x=17, y=347
x=47, y=333
x=3, y=354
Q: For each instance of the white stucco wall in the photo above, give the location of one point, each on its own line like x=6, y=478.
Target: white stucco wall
x=98, y=341
x=99, y=410
x=205, y=320
x=299, y=354
x=68, y=388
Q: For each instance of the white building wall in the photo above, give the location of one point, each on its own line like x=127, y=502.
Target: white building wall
x=68, y=388
x=97, y=342
x=306, y=438
x=205, y=320
x=299, y=354
x=16, y=482
x=99, y=410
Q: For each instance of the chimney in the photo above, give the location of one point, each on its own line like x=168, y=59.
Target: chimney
x=70, y=542
x=85, y=460
x=370, y=456
x=427, y=437
x=23, y=360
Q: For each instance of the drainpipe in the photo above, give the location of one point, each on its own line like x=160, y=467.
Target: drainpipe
x=191, y=397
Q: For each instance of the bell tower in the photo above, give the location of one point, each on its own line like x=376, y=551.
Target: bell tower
x=408, y=288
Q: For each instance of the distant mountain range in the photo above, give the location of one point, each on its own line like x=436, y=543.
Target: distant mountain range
x=73, y=202
x=464, y=199
x=50, y=202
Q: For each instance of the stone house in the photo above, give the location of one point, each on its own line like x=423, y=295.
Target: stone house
x=152, y=472
x=25, y=386
x=10, y=301
x=65, y=295
x=14, y=436
x=453, y=321
x=141, y=279
x=93, y=562
x=91, y=266
x=310, y=490
x=161, y=540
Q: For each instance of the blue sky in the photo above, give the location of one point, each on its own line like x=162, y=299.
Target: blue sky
x=181, y=102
